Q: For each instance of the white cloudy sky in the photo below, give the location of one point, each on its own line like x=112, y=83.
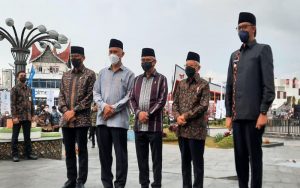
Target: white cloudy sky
x=171, y=27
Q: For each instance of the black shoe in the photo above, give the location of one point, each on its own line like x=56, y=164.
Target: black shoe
x=93, y=146
x=79, y=185
x=31, y=157
x=69, y=184
x=15, y=159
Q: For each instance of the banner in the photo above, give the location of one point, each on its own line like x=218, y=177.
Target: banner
x=50, y=98
x=220, y=110
x=179, y=74
x=5, y=102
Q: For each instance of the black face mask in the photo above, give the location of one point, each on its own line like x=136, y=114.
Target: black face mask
x=190, y=71
x=76, y=63
x=147, y=66
x=244, y=36
x=23, y=80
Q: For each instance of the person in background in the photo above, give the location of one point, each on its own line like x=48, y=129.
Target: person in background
x=44, y=120
x=54, y=119
x=22, y=111
x=4, y=119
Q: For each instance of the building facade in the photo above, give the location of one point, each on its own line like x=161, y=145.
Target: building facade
x=49, y=67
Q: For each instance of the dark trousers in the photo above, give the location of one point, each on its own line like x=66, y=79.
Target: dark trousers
x=142, y=141
x=192, y=150
x=106, y=137
x=92, y=134
x=26, y=126
x=247, y=147
x=70, y=137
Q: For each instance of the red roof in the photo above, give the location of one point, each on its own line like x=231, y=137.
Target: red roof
x=64, y=56
x=35, y=52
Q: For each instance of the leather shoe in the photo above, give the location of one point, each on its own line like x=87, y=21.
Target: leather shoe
x=79, y=185
x=69, y=184
x=31, y=157
x=16, y=159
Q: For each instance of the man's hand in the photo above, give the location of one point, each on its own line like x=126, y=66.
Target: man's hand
x=143, y=117
x=229, y=123
x=16, y=121
x=181, y=120
x=108, y=112
x=261, y=121
x=68, y=115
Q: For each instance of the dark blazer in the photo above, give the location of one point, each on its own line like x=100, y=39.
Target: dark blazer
x=254, y=91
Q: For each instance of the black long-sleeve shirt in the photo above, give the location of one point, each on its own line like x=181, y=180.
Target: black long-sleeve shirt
x=253, y=91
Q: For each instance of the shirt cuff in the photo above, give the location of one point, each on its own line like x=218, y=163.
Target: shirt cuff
x=77, y=108
x=64, y=109
x=102, y=106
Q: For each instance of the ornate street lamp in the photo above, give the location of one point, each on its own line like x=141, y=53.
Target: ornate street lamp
x=20, y=46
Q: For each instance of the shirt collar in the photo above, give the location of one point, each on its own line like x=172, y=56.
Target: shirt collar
x=248, y=45
x=23, y=86
x=153, y=74
x=81, y=69
x=122, y=67
x=196, y=78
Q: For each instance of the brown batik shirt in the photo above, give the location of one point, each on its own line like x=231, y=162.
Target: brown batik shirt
x=21, y=102
x=191, y=99
x=76, y=93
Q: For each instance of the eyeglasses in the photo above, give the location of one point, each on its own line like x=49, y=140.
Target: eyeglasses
x=242, y=27
x=147, y=60
x=189, y=66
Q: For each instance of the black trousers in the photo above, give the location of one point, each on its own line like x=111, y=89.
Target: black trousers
x=106, y=137
x=192, y=150
x=26, y=126
x=92, y=134
x=247, y=148
x=70, y=137
x=142, y=141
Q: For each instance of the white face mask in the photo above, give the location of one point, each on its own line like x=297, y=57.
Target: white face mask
x=114, y=59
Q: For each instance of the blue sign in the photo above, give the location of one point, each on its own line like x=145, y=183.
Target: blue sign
x=31, y=75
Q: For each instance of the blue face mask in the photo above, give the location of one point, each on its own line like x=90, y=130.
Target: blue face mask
x=244, y=36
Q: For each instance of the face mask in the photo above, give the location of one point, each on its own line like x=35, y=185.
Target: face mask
x=76, y=63
x=244, y=36
x=114, y=59
x=23, y=80
x=147, y=66
x=190, y=71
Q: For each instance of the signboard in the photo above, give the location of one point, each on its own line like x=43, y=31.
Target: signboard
x=220, y=109
x=50, y=98
x=5, y=101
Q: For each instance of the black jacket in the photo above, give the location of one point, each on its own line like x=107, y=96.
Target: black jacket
x=255, y=89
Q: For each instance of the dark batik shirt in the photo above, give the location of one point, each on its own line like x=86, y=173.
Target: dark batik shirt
x=149, y=95
x=191, y=99
x=76, y=93
x=21, y=102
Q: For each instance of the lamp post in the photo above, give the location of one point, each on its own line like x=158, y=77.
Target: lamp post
x=20, y=45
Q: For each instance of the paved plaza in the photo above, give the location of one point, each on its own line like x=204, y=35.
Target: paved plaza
x=281, y=169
